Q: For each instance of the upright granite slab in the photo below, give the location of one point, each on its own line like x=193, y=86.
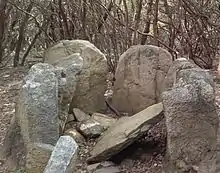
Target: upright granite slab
x=192, y=123
x=37, y=114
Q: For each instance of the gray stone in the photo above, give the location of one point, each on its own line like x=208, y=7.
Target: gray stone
x=63, y=157
x=36, y=118
x=80, y=115
x=192, y=123
x=37, y=107
x=75, y=135
x=178, y=64
x=89, y=95
x=67, y=70
x=139, y=77
x=104, y=120
x=124, y=132
x=91, y=128
x=37, y=112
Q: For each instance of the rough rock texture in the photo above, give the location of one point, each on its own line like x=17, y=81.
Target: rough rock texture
x=178, y=64
x=90, y=128
x=37, y=107
x=67, y=71
x=104, y=120
x=37, y=157
x=139, y=77
x=89, y=95
x=124, y=132
x=63, y=157
x=75, y=135
x=192, y=123
x=36, y=116
x=80, y=115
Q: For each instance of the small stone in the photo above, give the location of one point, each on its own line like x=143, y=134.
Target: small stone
x=90, y=128
x=75, y=135
x=63, y=157
x=80, y=115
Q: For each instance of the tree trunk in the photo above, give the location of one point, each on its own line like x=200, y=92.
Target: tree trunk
x=21, y=34
x=2, y=26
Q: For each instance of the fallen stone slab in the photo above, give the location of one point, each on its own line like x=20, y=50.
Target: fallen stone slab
x=124, y=132
x=104, y=120
x=63, y=157
x=192, y=123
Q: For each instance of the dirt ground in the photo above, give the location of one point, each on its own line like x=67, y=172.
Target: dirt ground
x=145, y=156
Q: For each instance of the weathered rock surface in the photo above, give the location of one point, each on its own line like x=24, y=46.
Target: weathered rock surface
x=63, y=157
x=75, y=135
x=104, y=120
x=125, y=131
x=67, y=71
x=139, y=78
x=80, y=115
x=37, y=157
x=89, y=95
x=178, y=64
x=36, y=117
x=91, y=128
x=37, y=107
x=192, y=123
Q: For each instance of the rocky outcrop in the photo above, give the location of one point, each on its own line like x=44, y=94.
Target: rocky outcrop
x=124, y=132
x=192, y=123
x=139, y=77
x=89, y=94
x=63, y=157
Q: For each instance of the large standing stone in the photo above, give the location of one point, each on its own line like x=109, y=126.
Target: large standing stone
x=37, y=108
x=63, y=157
x=89, y=95
x=37, y=114
x=139, y=77
x=192, y=123
x=124, y=132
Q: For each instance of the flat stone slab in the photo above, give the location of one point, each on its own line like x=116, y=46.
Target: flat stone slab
x=124, y=132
